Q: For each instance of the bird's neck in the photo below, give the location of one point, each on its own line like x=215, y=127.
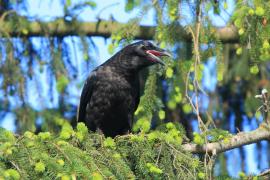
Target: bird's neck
x=129, y=74
x=124, y=67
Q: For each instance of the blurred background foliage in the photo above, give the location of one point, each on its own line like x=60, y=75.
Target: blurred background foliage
x=41, y=69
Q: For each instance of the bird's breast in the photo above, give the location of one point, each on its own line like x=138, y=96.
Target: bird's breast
x=121, y=90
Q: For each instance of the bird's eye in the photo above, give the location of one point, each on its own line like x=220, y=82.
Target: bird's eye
x=143, y=47
x=147, y=44
x=150, y=45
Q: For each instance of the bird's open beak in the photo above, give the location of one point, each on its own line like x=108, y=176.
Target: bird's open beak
x=155, y=54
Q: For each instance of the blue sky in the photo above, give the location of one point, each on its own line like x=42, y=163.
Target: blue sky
x=48, y=9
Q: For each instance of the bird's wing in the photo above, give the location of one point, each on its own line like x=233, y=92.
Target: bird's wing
x=86, y=96
x=137, y=97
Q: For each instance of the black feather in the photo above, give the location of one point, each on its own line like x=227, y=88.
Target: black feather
x=110, y=94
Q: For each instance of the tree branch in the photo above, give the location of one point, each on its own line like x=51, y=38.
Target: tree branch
x=265, y=173
x=240, y=139
x=61, y=28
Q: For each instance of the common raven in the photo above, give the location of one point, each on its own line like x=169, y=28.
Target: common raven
x=111, y=93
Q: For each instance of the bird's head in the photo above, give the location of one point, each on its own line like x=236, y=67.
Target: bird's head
x=142, y=54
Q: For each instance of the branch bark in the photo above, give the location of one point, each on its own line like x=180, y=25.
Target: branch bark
x=240, y=139
x=61, y=28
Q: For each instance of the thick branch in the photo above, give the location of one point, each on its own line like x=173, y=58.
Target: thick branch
x=240, y=139
x=61, y=28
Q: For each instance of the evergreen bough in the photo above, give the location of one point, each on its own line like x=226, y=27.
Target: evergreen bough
x=83, y=155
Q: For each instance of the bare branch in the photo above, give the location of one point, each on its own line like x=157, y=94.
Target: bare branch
x=240, y=139
x=265, y=173
x=61, y=28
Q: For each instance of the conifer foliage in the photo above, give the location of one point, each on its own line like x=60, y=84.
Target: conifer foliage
x=40, y=70
x=91, y=156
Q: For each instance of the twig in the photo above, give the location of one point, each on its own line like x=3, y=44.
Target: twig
x=159, y=154
x=105, y=8
x=264, y=98
x=2, y=18
x=187, y=96
x=175, y=166
x=59, y=149
x=195, y=37
x=16, y=166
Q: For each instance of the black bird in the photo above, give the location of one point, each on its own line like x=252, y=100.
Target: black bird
x=111, y=93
